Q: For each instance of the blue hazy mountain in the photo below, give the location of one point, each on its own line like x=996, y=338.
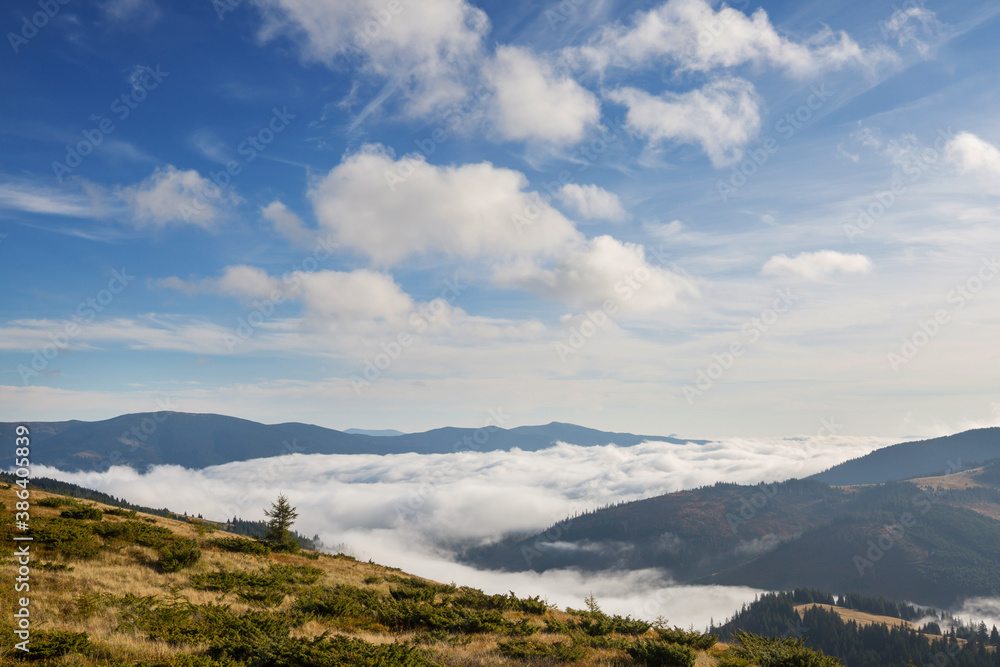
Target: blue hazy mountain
x=201, y=440
x=378, y=432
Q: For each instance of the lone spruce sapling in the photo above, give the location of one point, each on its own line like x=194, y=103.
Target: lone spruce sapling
x=281, y=517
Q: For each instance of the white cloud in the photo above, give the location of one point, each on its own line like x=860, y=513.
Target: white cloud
x=592, y=202
x=354, y=295
x=287, y=224
x=534, y=103
x=722, y=117
x=136, y=13
x=428, y=49
x=390, y=209
x=360, y=295
x=972, y=155
x=171, y=196
x=455, y=499
x=600, y=269
x=906, y=24
x=696, y=37
x=816, y=266
x=35, y=199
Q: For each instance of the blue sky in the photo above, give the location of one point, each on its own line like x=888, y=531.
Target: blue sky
x=681, y=217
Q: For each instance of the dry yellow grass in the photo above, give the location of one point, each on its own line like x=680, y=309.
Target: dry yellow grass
x=128, y=570
x=956, y=481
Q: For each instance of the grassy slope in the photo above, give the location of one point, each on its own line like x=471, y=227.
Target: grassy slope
x=59, y=602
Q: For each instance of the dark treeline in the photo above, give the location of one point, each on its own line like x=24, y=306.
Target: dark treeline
x=239, y=526
x=76, y=491
x=874, y=645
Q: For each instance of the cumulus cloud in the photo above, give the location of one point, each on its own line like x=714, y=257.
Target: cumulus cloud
x=534, y=103
x=428, y=49
x=170, y=196
x=602, y=268
x=411, y=510
x=390, y=209
x=287, y=224
x=972, y=155
x=816, y=266
x=694, y=36
x=361, y=294
x=722, y=117
x=592, y=202
x=242, y=281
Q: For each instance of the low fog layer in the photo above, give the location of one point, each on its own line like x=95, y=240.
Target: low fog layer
x=412, y=510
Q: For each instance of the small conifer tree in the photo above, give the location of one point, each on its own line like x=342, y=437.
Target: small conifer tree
x=281, y=517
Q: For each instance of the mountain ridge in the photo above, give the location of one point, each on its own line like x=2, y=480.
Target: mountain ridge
x=200, y=440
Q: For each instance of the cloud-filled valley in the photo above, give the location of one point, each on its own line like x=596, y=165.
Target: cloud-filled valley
x=412, y=510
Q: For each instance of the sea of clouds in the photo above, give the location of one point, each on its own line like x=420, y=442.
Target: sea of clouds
x=414, y=511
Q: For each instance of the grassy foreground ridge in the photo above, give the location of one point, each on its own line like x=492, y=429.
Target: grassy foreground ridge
x=112, y=586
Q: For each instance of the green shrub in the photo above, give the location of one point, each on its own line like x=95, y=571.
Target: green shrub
x=55, y=501
x=522, y=628
x=367, y=608
x=241, y=545
x=568, y=652
x=322, y=652
x=178, y=621
x=653, y=653
x=64, y=536
x=692, y=638
x=266, y=588
x=53, y=643
x=82, y=513
x=277, y=575
x=54, y=567
x=133, y=532
x=773, y=652
x=87, y=604
x=177, y=555
x=523, y=648
x=118, y=511
x=530, y=649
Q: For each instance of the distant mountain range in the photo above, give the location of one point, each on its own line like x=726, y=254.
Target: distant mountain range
x=381, y=432
x=923, y=458
x=201, y=440
x=934, y=540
